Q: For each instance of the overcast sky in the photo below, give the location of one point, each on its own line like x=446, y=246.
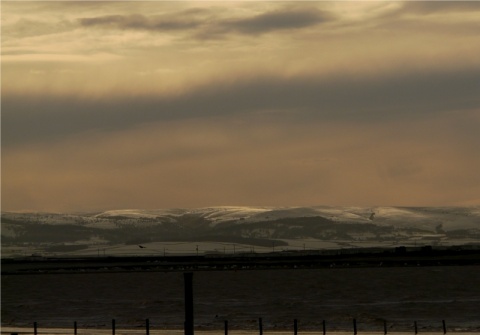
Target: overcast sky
x=110, y=105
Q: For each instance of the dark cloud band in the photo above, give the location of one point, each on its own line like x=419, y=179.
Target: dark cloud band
x=277, y=20
x=262, y=23
x=39, y=118
x=139, y=22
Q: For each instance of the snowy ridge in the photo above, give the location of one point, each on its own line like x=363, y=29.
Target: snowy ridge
x=141, y=213
x=419, y=217
x=248, y=228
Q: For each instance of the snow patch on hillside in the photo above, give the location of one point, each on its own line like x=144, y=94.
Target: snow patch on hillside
x=230, y=213
x=345, y=214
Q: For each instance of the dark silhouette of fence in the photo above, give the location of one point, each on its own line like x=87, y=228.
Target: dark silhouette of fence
x=295, y=327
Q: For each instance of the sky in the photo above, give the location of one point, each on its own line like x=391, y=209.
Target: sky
x=114, y=104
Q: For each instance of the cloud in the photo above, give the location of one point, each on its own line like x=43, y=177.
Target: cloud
x=140, y=22
x=27, y=28
x=277, y=20
x=364, y=99
x=455, y=18
x=287, y=104
x=429, y=7
x=193, y=163
x=211, y=25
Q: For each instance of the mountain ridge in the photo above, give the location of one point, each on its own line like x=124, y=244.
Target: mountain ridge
x=287, y=227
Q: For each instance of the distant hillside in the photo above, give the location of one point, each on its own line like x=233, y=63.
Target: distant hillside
x=233, y=229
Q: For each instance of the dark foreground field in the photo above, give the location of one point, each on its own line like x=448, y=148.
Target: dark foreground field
x=399, y=295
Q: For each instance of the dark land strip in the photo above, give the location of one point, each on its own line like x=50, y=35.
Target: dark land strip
x=398, y=257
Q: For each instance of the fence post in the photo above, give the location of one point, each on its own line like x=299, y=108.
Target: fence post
x=416, y=328
x=444, y=327
x=35, y=328
x=295, y=326
x=226, y=327
x=354, y=326
x=188, y=277
x=113, y=326
x=75, y=327
x=147, y=326
x=324, y=327
x=260, y=326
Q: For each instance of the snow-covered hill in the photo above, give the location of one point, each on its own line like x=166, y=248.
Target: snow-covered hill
x=285, y=227
x=427, y=217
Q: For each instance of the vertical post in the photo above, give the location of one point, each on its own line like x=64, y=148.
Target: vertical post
x=324, y=326
x=354, y=327
x=147, y=326
x=226, y=327
x=385, y=327
x=75, y=327
x=188, y=303
x=260, y=326
x=295, y=326
x=444, y=327
x=35, y=328
x=415, y=326
x=113, y=326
